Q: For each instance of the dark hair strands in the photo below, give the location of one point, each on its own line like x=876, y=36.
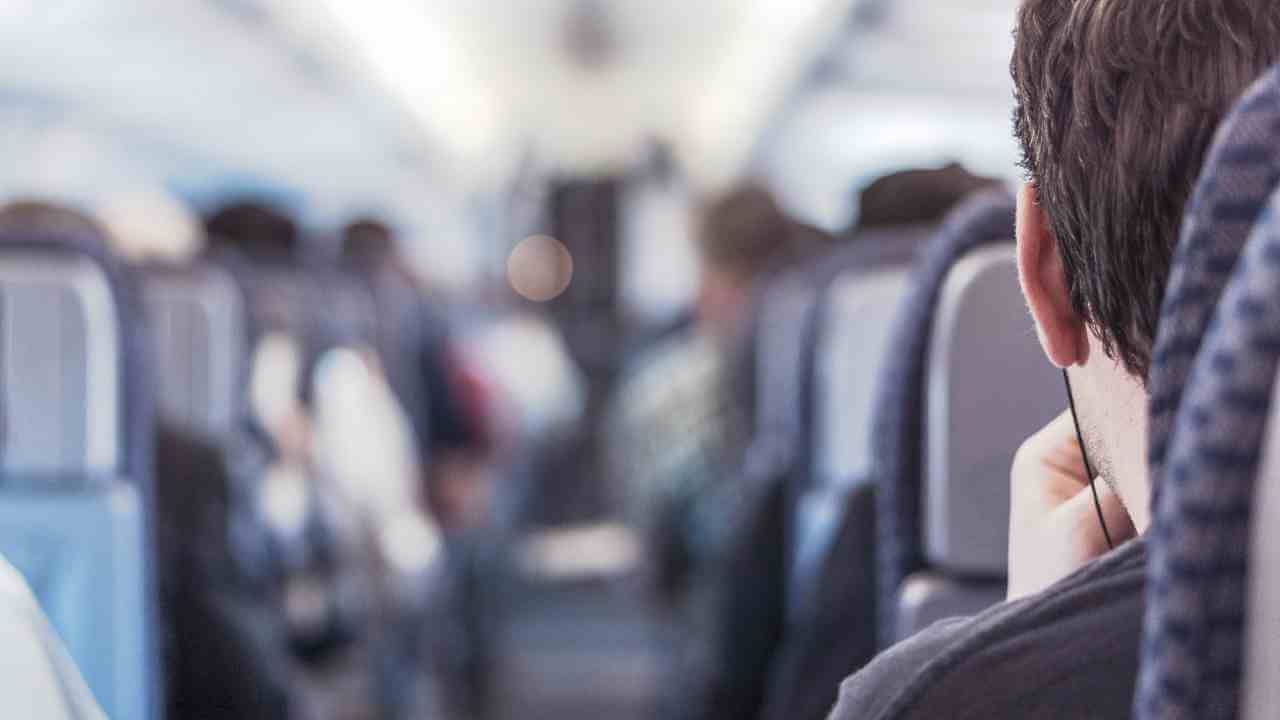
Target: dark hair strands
x=1116, y=103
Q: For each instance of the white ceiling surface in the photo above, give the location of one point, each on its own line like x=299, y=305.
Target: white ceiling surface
x=384, y=102
x=184, y=89
x=492, y=77
x=926, y=85
x=414, y=107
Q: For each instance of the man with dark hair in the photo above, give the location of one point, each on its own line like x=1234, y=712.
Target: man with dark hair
x=1117, y=103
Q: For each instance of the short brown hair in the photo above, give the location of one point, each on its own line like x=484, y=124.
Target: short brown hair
x=745, y=232
x=1117, y=103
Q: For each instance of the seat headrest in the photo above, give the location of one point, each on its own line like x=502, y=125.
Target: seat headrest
x=61, y=365
x=198, y=326
x=1241, y=170
x=988, y=387
x=859, y=316
x=1199, y=536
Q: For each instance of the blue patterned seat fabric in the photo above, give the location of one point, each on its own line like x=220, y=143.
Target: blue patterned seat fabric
x=1210, y=383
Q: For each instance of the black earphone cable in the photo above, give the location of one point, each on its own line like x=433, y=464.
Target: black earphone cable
x=1088, y=467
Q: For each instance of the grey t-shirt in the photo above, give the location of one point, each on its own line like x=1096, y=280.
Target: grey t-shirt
x=1068, y=652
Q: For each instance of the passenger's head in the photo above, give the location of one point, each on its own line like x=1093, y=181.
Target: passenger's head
x=1117, y=103
x=917, y=196
x=367, y=244
x=742, y=237
x=47, y=217
x=255, y=229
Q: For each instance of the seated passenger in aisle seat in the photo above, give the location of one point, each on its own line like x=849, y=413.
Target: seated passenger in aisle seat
x=1117, y=105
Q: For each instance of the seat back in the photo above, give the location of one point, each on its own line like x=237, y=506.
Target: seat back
x=822, y=513
x=784, y=322
x=988, y=387
x=1206, y=497
x=858, y=316
x=61, y=369
x=71, y=520
x=1261, y=693
x=899, y=424
x=1191, y=653
x=198, y=326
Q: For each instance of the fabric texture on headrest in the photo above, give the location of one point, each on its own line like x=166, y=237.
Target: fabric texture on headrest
x=1198, y=558
x=897, y=435
x=1240, y=172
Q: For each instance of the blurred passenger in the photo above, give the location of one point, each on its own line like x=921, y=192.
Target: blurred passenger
x=1113, y=142
x=31, y=215
x=458, y=440
x=918, y=197
x=317, y=535
x=371, y=410
x=256, y=230
x=405, y=315
x=744, y=236
x=677, y=427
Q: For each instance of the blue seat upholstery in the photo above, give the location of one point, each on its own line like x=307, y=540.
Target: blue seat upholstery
x=74, y=482
x=1199, y=555
x=1212, y=371
x=898, y=448
x=37, y=677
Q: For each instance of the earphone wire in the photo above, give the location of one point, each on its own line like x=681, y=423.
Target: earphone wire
x=1088, y=467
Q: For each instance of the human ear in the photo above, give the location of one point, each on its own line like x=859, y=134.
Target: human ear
x=1063, y=333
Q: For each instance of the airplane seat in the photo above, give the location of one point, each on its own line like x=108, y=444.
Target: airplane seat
x=74, y=498
x=792, y=524
x=1212, y=619
x=900, y=410
x=987, y=387
x=198, y=319
x=859, y=290
x=786, y=324
x=1213, y=370
x=828, y=532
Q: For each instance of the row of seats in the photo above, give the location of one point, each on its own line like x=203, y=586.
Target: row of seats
x=881, y=447
x=87, y=357
x=74, y=507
